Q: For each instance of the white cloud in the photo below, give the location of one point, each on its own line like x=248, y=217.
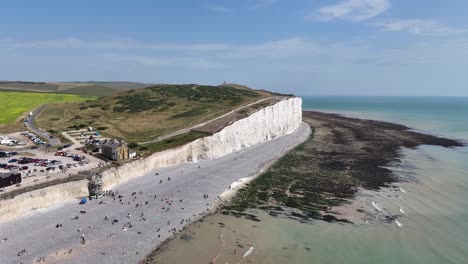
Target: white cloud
x=418, y=27
x=120, y=44
x=353, y=10
x=197, y=63
x=278, y=48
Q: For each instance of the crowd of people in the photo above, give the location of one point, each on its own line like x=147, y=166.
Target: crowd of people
x=136, y=201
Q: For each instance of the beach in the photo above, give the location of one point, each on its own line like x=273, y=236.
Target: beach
x=142, y=213
x=412, y=210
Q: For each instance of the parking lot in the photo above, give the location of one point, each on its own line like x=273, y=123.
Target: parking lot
x=39, y=166
x=17, y=141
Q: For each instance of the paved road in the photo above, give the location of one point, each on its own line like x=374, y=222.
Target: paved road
x=32, y=127
x=186, y=130
x=37, y=233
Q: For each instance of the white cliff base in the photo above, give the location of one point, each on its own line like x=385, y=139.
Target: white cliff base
x=42, y=198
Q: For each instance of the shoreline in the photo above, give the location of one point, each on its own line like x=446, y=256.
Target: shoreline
x=340, y=213
x=225, y=196
x=377, y=118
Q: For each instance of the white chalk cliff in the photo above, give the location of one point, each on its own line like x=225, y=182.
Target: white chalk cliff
x=270, y=122
x=267, y=123
x=42, y=198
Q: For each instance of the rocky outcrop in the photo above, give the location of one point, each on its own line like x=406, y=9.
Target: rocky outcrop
x=267, y=123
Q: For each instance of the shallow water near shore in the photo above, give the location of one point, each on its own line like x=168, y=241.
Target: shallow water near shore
x=430, y=204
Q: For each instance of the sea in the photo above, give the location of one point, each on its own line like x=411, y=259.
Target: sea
x=431, y=204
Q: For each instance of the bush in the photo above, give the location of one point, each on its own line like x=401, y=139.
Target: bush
x=133, y=145
x=119, y=109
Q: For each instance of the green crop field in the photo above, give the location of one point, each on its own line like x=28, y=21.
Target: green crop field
x=14, y=104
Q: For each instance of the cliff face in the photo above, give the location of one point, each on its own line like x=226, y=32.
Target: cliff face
x=42, y=198
x=270, y=122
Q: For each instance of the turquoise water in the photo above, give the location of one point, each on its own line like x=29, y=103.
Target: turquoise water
x=438, y=115
x=432, y=206
x=435, y=224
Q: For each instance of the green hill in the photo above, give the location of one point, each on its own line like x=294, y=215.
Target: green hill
x=144, y=114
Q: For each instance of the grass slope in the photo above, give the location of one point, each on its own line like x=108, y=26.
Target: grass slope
x=144, y=114
x=14, y=104
x=173, y=142
x=80, y=88
x=94, y=90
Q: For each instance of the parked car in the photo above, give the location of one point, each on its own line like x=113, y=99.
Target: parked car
x=24, y=168
x=3, y=165
x=67, y=145
x=34, y=147
x=78, y=158
x=12, y=160
x=11, y=167
x=24, y=160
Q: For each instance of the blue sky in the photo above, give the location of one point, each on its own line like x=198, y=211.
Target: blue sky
x=306, y=47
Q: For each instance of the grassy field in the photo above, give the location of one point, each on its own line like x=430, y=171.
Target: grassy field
x=14, y=104
x=79, y=88
x=143, y=114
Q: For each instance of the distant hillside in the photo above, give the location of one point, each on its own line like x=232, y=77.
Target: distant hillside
x=143, y=114
x=92, y=90
x=80, y=88
x=116, y=85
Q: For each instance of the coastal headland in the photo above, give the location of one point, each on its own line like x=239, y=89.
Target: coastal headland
x=152, y=198
x=328, y=158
